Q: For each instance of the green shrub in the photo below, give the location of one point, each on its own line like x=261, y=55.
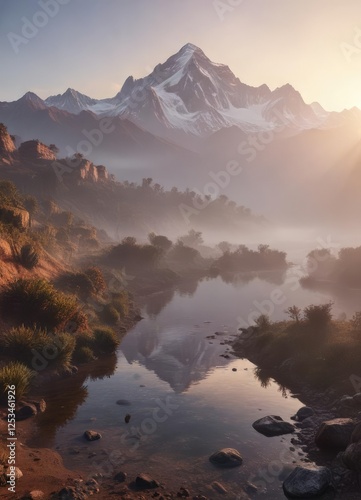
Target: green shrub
x=36, y=302
x=84, y=355
x=28, y=257
x=19, y=342
x=110, y=315
x=105, y=340
x=15, y=374
x=77, y=283
x=65, y=345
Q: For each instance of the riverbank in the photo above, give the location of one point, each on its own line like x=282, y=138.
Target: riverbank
x=336, y=399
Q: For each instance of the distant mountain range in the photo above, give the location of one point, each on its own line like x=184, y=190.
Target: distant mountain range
x=186, y=119
x=187, y=96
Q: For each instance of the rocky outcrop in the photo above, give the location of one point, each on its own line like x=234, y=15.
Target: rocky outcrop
x=273, y=425
x=7, y=145
x=102, y=173
x=15, y=216
x=35, y=150
x=306, y=482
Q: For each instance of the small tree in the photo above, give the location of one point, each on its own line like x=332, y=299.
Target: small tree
x=318, y=316
x=263, y=322
x=294, y=313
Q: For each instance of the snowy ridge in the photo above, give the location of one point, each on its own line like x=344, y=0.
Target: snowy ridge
x=188, y=93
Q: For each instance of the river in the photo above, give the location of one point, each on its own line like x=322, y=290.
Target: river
x=186, y=394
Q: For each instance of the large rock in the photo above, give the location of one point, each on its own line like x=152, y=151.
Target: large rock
x=351, y=457
x=92, y=435
x=273, y=426
x=227, y=457
x=145, y=481
x=36, y=150
x=303, y=413
x=306, y=482
x=335, y=434
x=15, y=216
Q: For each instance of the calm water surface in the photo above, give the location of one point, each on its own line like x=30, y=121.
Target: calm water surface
x=183, y=396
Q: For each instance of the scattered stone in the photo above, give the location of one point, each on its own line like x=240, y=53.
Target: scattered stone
x=234, y=369
x=127, y=418
x=273, y=425
x=251, y=488
x=26, y=411
x=120, y=477
x=35, y=495
x=183, y=493
x=303, y=413
x=227, y=457
x=18, y=473
x=335, y=433
x=92, y=435
x=219, y=488
x=123, y=402
x=145, y=481
x=69, y=493
x=304, y=482
x=91, y=486
x=39, y=405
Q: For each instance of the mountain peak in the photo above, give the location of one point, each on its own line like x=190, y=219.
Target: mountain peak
x=190, y=47
x=32, y=99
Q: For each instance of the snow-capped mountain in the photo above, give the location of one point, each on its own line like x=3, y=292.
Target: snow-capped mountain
x=71, y=101
x=191, y=94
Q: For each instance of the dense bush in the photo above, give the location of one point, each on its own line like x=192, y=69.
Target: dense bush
x=244, y=259
x=105, y=340
x=133, y=256
x=23, y=342
x=110, y=315
x=15, y=374
x=96, y=277
x=84, y=355
x=318, y=316
x=28, y=257
x=36, y=302
x=77, y=283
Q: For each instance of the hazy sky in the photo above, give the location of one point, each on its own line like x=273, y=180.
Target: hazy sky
x=93, y=45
